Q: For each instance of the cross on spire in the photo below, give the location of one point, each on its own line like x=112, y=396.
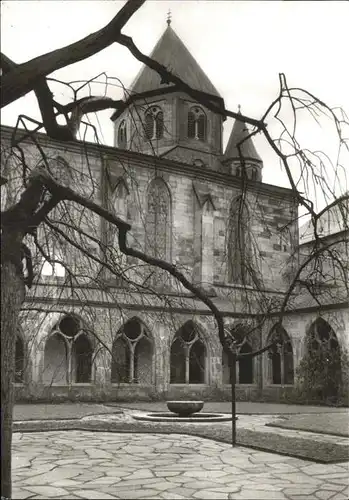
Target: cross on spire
x=169, y=15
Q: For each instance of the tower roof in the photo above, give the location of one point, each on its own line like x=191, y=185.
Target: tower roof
x=248, y=150
x=171, y=52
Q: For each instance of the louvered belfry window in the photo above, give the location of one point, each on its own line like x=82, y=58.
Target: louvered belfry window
x=154, y=123
x=197, y=123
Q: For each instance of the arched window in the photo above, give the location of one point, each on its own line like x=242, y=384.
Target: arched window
x=158, y=225
x=188, y=356
x=254, y=174
x=68, y=354
x=82, y=360
x=322, y=335
x=61, y=170
x=238, y=172
x=132, y=361
x=154, y=123
x=197, y=123
x=245, y=365
x=19, y=360
x=280, y=357
x=122, y=135
x=239, y=263
x=323, y=366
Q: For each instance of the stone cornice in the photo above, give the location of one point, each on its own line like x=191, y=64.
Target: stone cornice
x=109, y=153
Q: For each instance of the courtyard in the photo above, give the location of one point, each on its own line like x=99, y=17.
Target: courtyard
x=94, y=451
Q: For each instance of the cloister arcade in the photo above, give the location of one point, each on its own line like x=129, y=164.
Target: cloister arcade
x=70, y=357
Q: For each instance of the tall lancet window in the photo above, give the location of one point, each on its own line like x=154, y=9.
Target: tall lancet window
x=158, y=223
x=239, y=244
x=154, y=123
x=197, y=123
x=122, y=135
x=158, y=229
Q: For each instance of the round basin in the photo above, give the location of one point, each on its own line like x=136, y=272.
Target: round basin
x=185, y=408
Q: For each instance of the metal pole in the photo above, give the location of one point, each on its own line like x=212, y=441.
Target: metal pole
x=233, y=397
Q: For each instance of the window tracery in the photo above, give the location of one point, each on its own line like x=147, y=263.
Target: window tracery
x=154, y=123
x=158, y=219
x=197, y=123
x=188, y=356
x=132, y=355
x=68, y=354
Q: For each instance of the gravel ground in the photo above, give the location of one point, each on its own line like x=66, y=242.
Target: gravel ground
x=335, y=423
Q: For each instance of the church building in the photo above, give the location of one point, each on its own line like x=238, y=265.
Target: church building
x=205, y=209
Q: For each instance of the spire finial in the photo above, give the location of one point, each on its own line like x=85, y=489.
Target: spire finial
x=239, y=108
x=168, y=20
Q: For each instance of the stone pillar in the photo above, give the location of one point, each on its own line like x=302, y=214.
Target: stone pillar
x=162, y=358
x=215, y=377
x=102, y=367
x=207, y=245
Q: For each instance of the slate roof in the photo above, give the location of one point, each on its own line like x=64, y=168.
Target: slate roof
x=172, y=53
x=249, y=151
x=331, y=222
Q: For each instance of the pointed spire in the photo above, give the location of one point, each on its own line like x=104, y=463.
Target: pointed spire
x=239, y=131
x=172, y=53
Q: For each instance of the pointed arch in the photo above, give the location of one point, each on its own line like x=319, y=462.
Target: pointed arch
x=322, y=334
x=322, y=363
x=158, y=226
x=133, y=351
x=122, y=135
x=120, y=198
x=239, y=265
x=280, y=357
x=188, y=356
x=68, y=352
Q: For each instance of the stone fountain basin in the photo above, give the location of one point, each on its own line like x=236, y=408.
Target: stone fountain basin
x=194, y=418
x=185, y=408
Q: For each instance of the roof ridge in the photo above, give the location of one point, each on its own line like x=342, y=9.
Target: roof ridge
x=176, y=57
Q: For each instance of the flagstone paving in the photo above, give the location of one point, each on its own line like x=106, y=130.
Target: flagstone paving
x=82, y=465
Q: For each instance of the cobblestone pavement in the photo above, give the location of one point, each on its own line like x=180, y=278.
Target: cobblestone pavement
x=82, y=464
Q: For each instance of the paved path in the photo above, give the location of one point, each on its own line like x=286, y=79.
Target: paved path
x=80, y=464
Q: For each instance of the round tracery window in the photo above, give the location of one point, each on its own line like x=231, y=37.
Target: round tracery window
x=69, y=326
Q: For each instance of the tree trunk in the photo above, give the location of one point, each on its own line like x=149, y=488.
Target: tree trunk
x=12, y=296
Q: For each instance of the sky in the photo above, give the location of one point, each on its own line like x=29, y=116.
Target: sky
x=241, y=46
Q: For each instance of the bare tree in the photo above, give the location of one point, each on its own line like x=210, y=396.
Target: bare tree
x=45, y=216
